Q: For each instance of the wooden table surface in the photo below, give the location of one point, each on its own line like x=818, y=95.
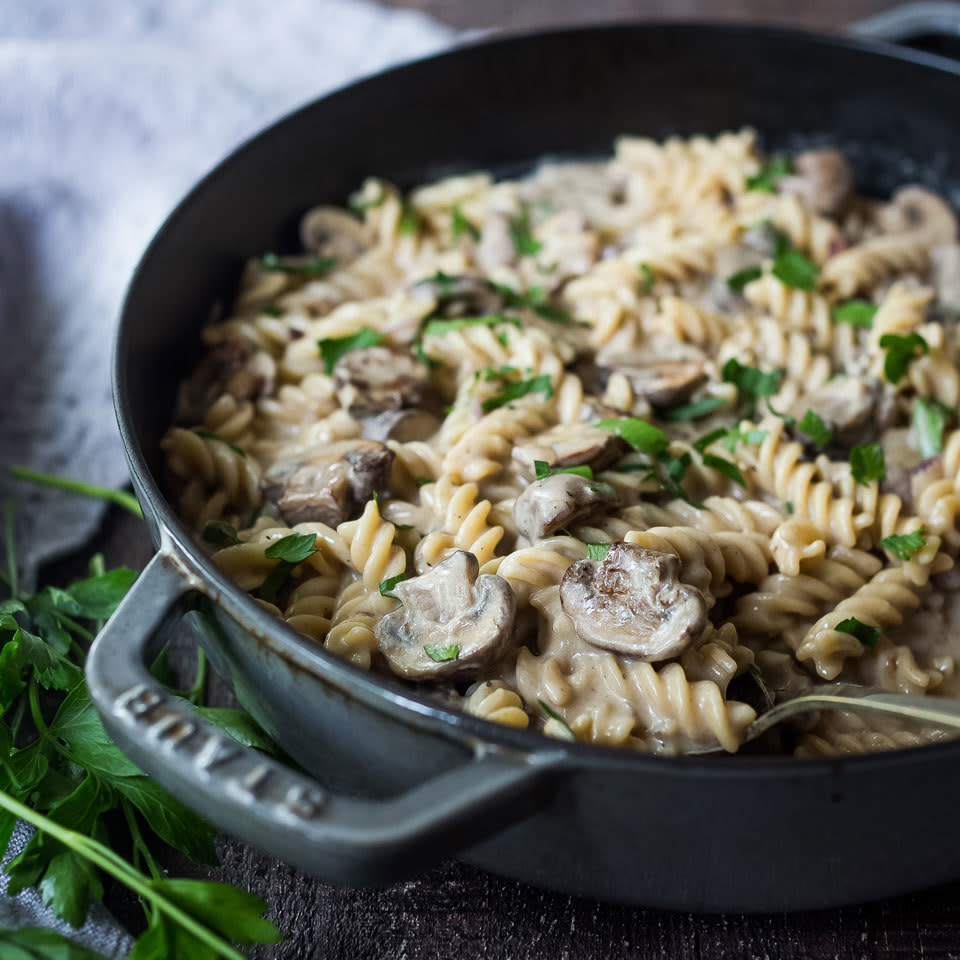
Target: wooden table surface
x=455, y=911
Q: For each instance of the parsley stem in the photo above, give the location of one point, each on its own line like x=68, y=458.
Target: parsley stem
x=121, y=870
x=75, y=627
x=33, y=695
x=198, y=692
x=11, y=550
x=97, y=569
x=120, y=497
x=16, y=721
x=140, y=849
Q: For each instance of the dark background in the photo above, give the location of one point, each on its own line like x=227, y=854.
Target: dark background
x=456, y=911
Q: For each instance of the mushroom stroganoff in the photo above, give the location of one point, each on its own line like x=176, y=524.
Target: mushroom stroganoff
x=623, y=451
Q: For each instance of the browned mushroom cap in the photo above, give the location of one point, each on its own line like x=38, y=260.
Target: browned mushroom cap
x=633, y=603
x=570, y=445
x=822, y=178
x=329, y=232
x=235, y=367
x=373, y=379
x=920, y=211
x=452, y=624
x=401, y=425
x=554, y=502
x=945, y=260
x=332, y=486
x=664, y=373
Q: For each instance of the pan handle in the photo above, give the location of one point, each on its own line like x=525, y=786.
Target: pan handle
x=909, y=21
x=343, y=839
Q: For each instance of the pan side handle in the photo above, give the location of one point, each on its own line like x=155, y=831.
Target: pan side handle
x=245, y=792
x=910, y=21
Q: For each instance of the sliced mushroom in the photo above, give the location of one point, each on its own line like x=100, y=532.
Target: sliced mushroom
x=845, y=404
x=570, y=445
x=761, y=239
x=400, y=425
x=332, y=486
x=452, y=622
x=373, y=379
x=919, y=211
x=902, y=463
x=556, y=501
x=632, y=602
x=946, y=275
x=666, y=374
x=233, y=366
x=822, y=178
x=329, y=232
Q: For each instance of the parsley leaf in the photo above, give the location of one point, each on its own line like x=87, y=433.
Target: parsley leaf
x=751, y=382
x=522, y=236
x=795, y=270
x=766, y=179
x=332, y=349
x=371, y=195
x=737, y=281
x=409, y=220
x=462, y=227
x=597, y=551
x=298, y=266
x=437, y=328
x=726, y=467
x=858, y=313
x=901, y=350
x=815, y=429
x=867, y=462
x=515, y=389
x=691, y=411
x=927, y=422
x=442, y=654
x=294, y=548
x=648, y=278
x=210, y=435
x=867, y=635
x=220, y=533
x=904, y=545
x=386, y=586
x=542, y=469
x=639, y=434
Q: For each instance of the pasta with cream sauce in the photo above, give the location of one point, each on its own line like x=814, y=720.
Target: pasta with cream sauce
x=621, y=451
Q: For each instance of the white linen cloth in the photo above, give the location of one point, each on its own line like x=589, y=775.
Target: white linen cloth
x=109, y=112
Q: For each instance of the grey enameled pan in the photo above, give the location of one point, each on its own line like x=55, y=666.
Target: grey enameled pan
x=405, y=782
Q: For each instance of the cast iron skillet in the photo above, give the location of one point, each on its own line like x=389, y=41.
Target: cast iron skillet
x=407, y=782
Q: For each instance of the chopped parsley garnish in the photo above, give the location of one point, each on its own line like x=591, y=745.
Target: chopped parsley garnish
x=220, y=532
x=901, y=350
x=542, y=469
x=523, y=239
x=712, y=437
x=866, y=634
x=815, y=429
x=648, y=278
x=332, y=349
x=409, y=220
x=210, y=435
x=793, y=269
x=515, y=389
x=299, y=266
x=927, y=424
x=867, y=462
x=423, y=481
x=289, y=550
x=386, y=586
x=462, y=227
x=272, y=310
x=553, y=715
x=442, y=654
x=751, y=382
x=737, y=281
x=726, y=467
x=360, y=202
x=437, y=328
x=535, y=299
x=597, y=551
x=904, y=545
x=770, y=173
x=738, y=435
x=789, y=506
x=858, y=313
x=692, y=411
x=639, y=434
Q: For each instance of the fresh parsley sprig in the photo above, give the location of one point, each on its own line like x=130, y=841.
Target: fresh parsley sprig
x=333, y=348
x=312, y=267
x=901, y=351
x=515, y=389
x=768, y=176
x=866, y=634
x=927, y=423
x=542, y=470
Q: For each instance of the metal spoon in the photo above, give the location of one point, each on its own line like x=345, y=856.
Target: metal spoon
x=942, y=711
